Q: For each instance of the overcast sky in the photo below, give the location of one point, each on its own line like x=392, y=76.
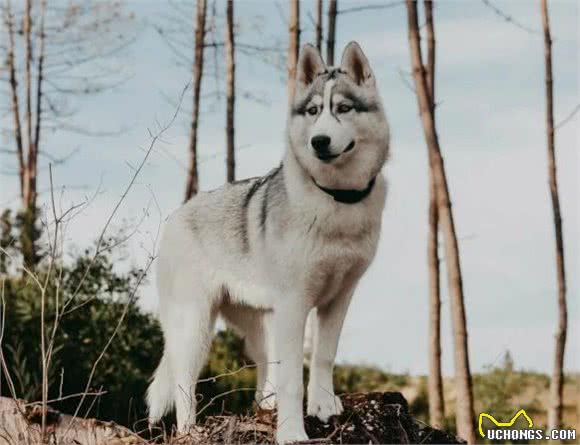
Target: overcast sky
x=490, y=91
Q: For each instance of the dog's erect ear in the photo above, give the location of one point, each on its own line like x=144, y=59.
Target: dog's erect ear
x=356, y=65
x=310, y=64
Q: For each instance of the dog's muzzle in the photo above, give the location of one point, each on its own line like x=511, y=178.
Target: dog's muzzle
x=321, y=146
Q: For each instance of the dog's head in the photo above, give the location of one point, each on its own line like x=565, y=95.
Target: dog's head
x=337, y=127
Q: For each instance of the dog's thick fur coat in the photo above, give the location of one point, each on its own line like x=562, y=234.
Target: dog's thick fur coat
x=262, y=253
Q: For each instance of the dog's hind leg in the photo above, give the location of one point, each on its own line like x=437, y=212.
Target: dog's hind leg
x=259, y=344
x=188, y=327
x=249, y=323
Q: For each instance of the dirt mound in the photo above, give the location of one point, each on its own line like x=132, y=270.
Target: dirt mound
x=379, y=417
x=367, y=418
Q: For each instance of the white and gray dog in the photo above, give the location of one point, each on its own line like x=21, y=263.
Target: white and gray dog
x=262, y=253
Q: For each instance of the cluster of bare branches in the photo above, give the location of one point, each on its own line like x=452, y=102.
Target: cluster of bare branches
x=53, y=55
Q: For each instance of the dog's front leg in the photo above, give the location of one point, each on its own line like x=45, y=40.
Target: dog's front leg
x=289, y=322
x=322, y=402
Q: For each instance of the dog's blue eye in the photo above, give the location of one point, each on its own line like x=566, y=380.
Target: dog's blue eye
x=312, y=111
x=343, y=108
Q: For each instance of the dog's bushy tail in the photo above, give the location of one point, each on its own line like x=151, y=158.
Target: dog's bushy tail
x=160, y=396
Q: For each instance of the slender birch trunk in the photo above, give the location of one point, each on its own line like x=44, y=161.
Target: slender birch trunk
x=230, y=92
x=464, y=396
x=331, y=33
x=557, y=382
x=39, y=88
x=27, y=126
x=435, y=381
x=28, y=193
x=36, y=118
x=293, y=46
x=319, y=25
x=35, y=142
x=15, y=105
x=192, y=173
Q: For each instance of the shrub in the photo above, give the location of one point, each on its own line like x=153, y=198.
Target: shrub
x=80, y=338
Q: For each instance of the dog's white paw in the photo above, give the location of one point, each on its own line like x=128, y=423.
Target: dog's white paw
x=288, y=435
x=324, y=405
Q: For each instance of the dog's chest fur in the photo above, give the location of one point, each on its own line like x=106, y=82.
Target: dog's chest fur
x=331, y=256
x=314, y=246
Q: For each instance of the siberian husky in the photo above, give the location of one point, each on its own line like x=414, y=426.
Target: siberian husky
x=262, y=253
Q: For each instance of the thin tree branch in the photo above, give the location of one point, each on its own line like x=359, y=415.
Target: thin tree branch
x=371, y=7
x=509, y=19
x=568, y=118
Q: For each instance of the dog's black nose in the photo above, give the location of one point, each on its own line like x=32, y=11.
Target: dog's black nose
x=320, y=143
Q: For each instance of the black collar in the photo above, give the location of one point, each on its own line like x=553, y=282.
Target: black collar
x=348, y=196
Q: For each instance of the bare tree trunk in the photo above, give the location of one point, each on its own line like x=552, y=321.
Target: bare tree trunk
x=33, y=160
x=464, y=396
x=556, y=385
x=430, y=52
x=319, y=25
x=293, y=47
x=28, y=192
x=192, y=173
x=230, y=91
x=435, y=381
x=29, y=232
x=331, y=33
x=14, y=97
x=39, y=86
